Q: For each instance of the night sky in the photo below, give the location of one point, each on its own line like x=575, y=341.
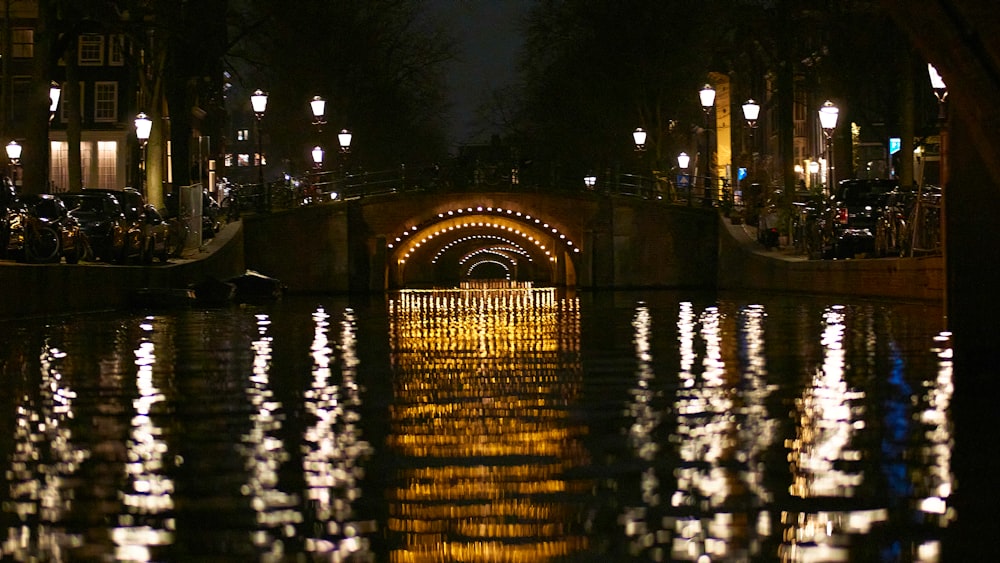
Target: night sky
x=488, y=39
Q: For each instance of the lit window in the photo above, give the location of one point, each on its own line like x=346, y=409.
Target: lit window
x=242, y=134
x=228, y=160
x=91, y=50
x=243, y=160
x=105, y=101
x=22, y=43
x=107, y=163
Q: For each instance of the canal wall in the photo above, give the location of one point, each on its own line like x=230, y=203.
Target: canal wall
x=31, y=290
x=28, y=290
x=745, y=264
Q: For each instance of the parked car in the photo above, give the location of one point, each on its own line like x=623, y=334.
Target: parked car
x=133, y=205
x=102, y=218
x=856, y=206
x=41, y=230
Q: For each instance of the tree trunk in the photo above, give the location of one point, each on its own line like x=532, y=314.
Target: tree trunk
x=35, y=154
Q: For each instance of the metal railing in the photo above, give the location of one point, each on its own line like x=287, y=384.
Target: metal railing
x=319, y=186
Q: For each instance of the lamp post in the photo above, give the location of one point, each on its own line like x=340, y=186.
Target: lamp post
x=344, y=138
x=258, y=102
x=143, y=126
x=751, y=111
x=14, y=157
x=317, y=156
x=683, y=160
x=941, y=92
x=707, y=97
x=54, y=92
x=318, y=106
x=828, y=115
x=639, y=138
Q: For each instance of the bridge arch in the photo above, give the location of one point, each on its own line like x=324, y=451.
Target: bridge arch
x=434, y=250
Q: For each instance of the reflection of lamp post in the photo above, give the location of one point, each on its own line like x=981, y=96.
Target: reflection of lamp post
x=143, y=126
x=707, y=97
x=828, y=115
x=259, y=103
x=14, y=157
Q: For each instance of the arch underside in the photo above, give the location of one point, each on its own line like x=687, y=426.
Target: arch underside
x=481, y=244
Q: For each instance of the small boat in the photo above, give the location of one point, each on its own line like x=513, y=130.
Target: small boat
x=254, y=287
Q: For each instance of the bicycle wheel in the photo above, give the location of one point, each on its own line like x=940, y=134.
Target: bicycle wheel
x=43, y=245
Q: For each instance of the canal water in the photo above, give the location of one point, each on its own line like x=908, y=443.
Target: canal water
x=523, y=425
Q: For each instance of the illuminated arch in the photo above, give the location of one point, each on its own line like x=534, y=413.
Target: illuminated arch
x=478, y=263
x=531, y=237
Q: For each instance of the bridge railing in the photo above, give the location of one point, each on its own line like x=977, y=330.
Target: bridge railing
x=316, y=186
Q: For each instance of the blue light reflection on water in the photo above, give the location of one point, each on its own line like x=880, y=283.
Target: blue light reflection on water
x=483, y=426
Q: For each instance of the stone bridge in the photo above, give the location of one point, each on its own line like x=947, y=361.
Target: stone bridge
x=428, y=238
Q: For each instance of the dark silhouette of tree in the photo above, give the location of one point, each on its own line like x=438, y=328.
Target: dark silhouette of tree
x=378, y=63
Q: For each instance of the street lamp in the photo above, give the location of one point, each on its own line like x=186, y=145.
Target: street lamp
x=828, y=115
x=14, y=157
x=318, y=106
x=639, y=137
x=683, y=160
x=344, y=138
x=258, y=101
x=941, y=92
x=317, y=156
x=143, y=126
x=54, y=91
x=751, y=111
x=707, y=97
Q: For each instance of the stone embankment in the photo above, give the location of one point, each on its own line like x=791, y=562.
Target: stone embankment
x=745, y=264
x=45, y=289
x=30, y=290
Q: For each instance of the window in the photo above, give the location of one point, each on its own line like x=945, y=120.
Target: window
x=105, y=102
x=116, y=50
x=22, y=43
x=107, y=163
x=242, y=134
x=64, y=107
x=91, y=50
x=242, y=159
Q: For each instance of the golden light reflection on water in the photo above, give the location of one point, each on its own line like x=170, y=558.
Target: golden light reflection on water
x=723, y=429
x=147, y=501
x=480, y=421
x=333, y=449
x=277, y=511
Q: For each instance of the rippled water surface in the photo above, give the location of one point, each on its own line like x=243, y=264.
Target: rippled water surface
x=480, y=426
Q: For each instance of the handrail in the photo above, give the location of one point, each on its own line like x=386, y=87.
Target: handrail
x=685, y=190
